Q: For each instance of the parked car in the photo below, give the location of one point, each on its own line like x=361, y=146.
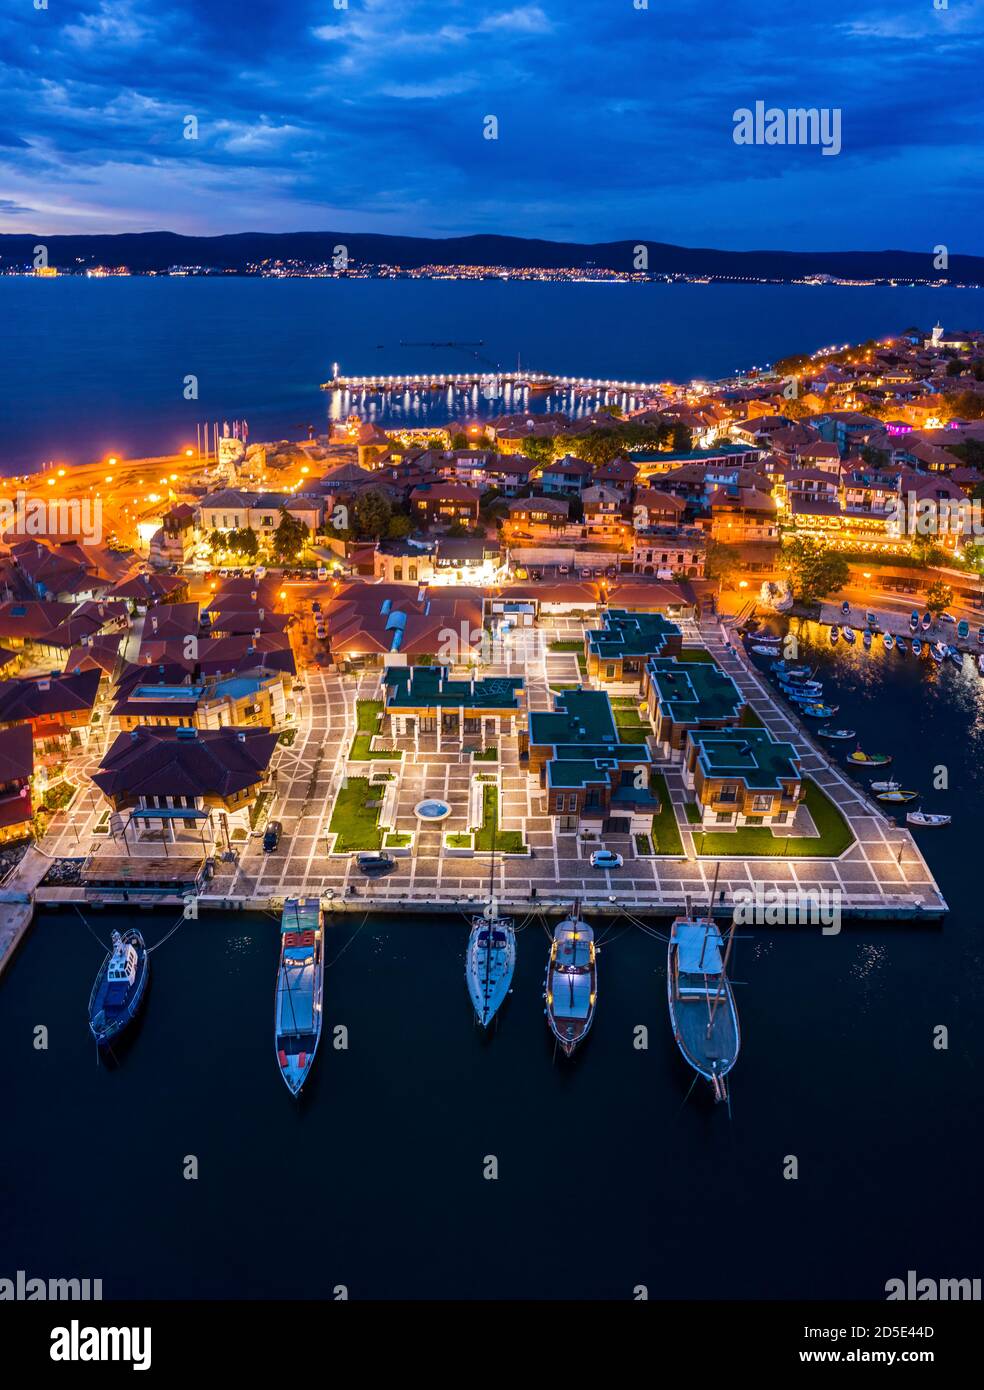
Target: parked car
x=947, y=618
x=585, y=574
x=606, y=859
x=375, y=862
x=271, y=836
x=322, y=572
x=563, y=569
x=260, y=572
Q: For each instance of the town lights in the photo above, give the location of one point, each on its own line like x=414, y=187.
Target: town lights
x=61, y=472
x=112, y=462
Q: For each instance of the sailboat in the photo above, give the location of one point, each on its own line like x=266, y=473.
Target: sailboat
x=571, y=987
x=300, y=990
x=928, y=818
x=490, y=958
x=701, y=1002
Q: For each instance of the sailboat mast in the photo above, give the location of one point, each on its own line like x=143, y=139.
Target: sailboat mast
x=724, y=971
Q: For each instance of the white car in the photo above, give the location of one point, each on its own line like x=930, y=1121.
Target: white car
x=606, y=859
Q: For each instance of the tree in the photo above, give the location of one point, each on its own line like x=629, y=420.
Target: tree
x=459, y=440
x=398, y=527
x=244, y=542
x=683, y=439
x=372, y=514
x=939, y=596
x=290, y=537
x=216, y=541
x=814, y=570
x=722, y=562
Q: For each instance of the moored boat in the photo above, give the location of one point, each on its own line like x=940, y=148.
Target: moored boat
x=819, y=711
x=938, y=651
x=834, y=633
x=914, y=620
x=120, y=987
x=490, y=960
x=955, y=655
x=701, y=1002
x=927, y=622
x=837, y=733
x=920, y=817
x=845, y=608
x=980, y=662
x=889, y=640
x=900, y=646
x=870, y=619
x=571, y=986
x=300, y=990
x=917, y=647
x=897, y=796
x=862, y=759
x=866, y=637
x=761, y=650
x=888, y=786
x=847, y=633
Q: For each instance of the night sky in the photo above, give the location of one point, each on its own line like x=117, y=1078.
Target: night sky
x=613, y=121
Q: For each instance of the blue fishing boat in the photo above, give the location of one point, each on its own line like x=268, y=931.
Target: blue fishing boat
x=834, y=633
x=900, y=646
x=120, y=987
x=955, y=655
x=819, y=711
x=701, y=1002
x=927, y=622
x=963, y=629
x=889, y=641
x=914, y=620
x=917, y=647
x=300, y=990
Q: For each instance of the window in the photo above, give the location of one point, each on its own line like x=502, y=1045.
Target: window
x=723, y=818
x=727, y=794
x=762, y=802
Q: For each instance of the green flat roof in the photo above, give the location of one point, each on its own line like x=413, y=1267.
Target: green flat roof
x=584, y=738
x=751, y=756
x=689, y=691
x=414, y=686
x=631, y=634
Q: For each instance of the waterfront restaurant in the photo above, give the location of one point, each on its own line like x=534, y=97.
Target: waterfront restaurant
x=618, y=651
x=685, y=695
x=426, y=700
x=741, y=777
x=593, y=781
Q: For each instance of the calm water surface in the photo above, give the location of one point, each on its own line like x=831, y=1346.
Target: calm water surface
x=96, y=367
x=609, y=1176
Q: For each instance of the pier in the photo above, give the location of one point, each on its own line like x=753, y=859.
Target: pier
x=518, y=380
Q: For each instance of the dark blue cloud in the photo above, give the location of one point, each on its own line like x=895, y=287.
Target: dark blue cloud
x=613, y=121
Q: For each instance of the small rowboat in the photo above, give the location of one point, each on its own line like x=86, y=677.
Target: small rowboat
x=938, y=651
x=927, y=622
x=861, y=759
x=834, y=634
x=819, y=711
x=926, y=818
x=870, y=619
x=889, y=641
x=980, y=635
x=836, y=733
x=917, y=647
x=847, y=633
x=764, y=651
x=963, y=629
x=914, y=620
x=980, y=662
x=845, y=608
x=900, y=645
x=866, y=638
x=885, y=786
x=955, y=655
x=897, y=796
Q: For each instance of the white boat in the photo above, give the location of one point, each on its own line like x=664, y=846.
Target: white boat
x=761, y=650
x=885, y=786
x=866, y=637
x=847, y=633
x=300, y=990
x=571, y=986
x=702, y=1006
x=917, y=647
x=489, y=962
x=938, y=651
x=889, y=640
x=980, y=662
x=926, y=818
x=834, y=633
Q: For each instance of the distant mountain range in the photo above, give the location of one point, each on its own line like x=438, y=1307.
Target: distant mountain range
x=150, y=251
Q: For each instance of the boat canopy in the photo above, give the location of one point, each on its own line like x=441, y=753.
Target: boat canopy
x=698, y=948
x=572, y=995
x=301, y=915
x=573, y=945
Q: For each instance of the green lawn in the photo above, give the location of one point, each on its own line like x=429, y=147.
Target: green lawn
x=666, y=835
x=356, y=824
x=835, y=835
x=459, y=839
x=694, y=654
x=488, y=756
x=643, y=844
x=367, y=714
x=692, y=811
x=397, y=839
x=507, y=841
x=58, y=796
x=567, y=645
